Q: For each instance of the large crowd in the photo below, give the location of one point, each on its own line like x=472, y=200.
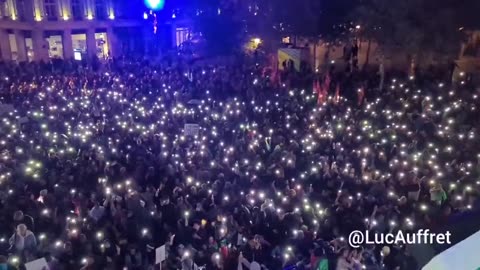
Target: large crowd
x=227, y=166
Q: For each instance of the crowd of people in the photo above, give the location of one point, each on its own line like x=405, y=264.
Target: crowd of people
x=226, y=167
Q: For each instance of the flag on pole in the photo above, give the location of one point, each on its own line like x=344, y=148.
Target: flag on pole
x=360, y=95
x=326, y=87
x=321, y=94
x=324, y=94
x=327, y=82
x=336, y=99
x=315, y=86
x=321, y=89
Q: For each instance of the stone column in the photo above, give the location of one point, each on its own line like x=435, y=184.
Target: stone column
x=21, y=46
x=40, y=46
x=91, y=43
x=112, y=42
x=174, y=35
x=6, y=52
x=67, y=44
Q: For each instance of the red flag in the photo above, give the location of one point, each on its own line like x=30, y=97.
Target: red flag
x=326, y=87
x=327, y=82
x=336, y=99
x=320, y=93
x=360, y=95
x=274, y=77
x=224, y=251
x=325, y=92
x=317, y=87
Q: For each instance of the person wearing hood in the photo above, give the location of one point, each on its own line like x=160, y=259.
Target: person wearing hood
x=23, y=240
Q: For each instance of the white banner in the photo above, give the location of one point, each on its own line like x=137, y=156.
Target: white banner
x=464, y=255
x=40, y=264
x=191, y=129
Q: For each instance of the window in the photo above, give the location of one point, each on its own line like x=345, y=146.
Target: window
x=77, y=9
x=100, y=9
x=182, y=35
x=50, y=10
x=3, y=8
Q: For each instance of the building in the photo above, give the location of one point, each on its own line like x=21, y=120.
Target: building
x=42, y=29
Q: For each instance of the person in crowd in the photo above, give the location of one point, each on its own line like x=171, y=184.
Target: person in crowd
x=20, y=218
x=130, y=163
x=133, y=259
x=23, y=240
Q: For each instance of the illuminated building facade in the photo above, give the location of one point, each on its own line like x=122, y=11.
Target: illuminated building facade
x=43, y=29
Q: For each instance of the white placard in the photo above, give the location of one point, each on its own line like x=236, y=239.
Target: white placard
x=160, y=255
x=77, y=56
x=255, y=266
x=39, y=264
x=191, y=129
x=194, y=102
x=23, y=120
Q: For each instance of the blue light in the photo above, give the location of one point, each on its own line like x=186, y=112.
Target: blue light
x=155, y=4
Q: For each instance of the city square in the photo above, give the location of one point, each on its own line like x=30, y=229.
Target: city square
x=232, y=135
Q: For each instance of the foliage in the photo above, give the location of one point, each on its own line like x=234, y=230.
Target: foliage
x=328, y=20
x=222, y=32
x=218, y=21
x=413, y=26
x=418, y=27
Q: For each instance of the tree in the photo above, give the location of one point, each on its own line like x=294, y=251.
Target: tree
x=222, y=33
x=422, y=28
x=328, y=20
x=217, y=21
x=313, y=20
